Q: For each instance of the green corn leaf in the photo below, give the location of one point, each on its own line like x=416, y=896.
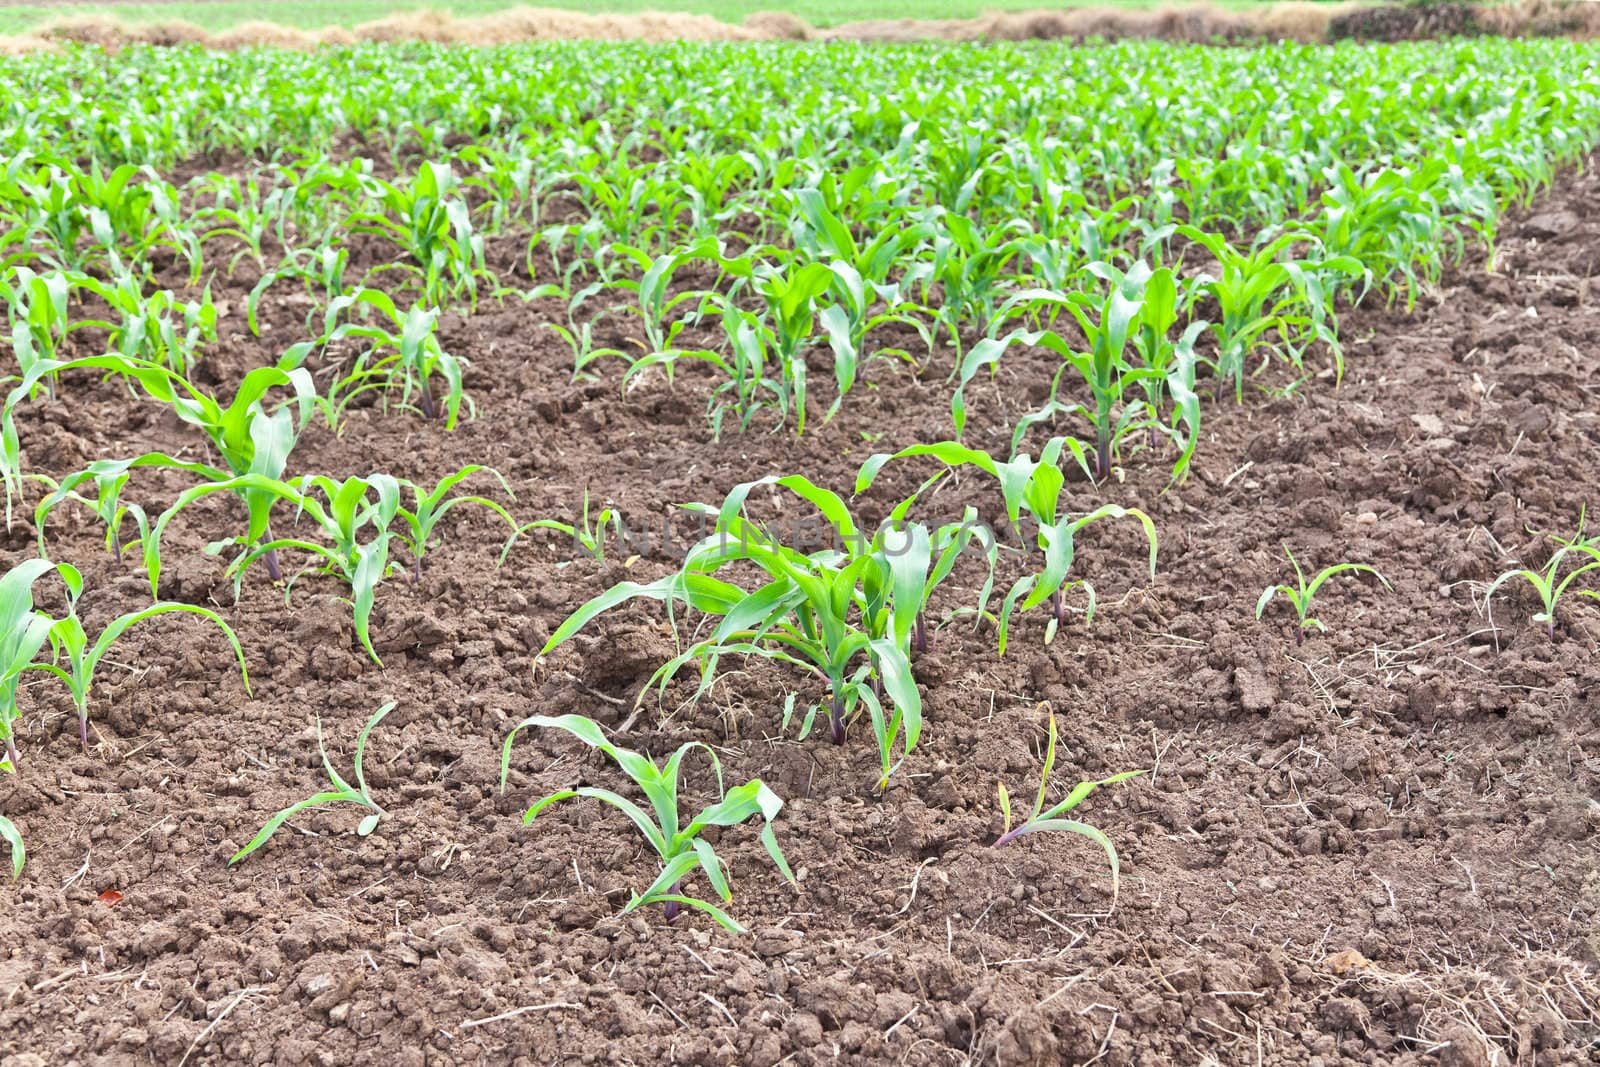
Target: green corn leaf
x=13, y=838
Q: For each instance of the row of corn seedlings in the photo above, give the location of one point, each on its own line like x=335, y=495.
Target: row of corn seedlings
x=757, y=211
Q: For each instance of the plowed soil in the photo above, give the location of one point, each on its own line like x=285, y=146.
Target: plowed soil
x=1375, y=847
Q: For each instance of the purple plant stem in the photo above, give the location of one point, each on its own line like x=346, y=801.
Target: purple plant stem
x=836, y=721
x=671, y=909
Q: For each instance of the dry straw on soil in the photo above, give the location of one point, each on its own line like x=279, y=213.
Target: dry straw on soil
x=1292, y=20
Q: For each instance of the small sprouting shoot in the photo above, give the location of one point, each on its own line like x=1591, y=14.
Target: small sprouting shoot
x=342, y=791
x=1548, y=583
x=679, y=845
x=1303, y=593
x=1051, y=818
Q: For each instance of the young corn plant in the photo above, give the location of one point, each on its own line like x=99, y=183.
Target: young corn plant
x=1301, y=595
x=320, y=270
x=677, y=843
x=433, y=226
x=761, y=368
x=826, y=613
x=1057, y=538
x=662, y=317
x=37, y=308
x=753, y=378
x=109, y=479
x=1166, y=366
x=1031, y=491
x=253, y=443
x=584, y=352
x=970, y=266
x=241, y=210
x=343, y=514
x=861, y=275
x=1548, y=584
x=57, y=219
x=1262, y=294
x=341, y=793
x=404, y=356
x=588, y=534
x=1390, y=221
x=158, y=327
x=13, y=839
x=791, y=297
x=70, y=643
x=24, y=630
x=1108, y=321
x=429, y=506
x=1051, y=818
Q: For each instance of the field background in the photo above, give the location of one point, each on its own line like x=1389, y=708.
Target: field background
x=313, y=14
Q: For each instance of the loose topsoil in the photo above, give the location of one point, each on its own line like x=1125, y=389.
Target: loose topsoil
x=1376, y=847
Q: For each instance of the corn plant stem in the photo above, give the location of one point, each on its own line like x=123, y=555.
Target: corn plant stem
x=671, y=908
x=274, y=572
x=921, y=641
x=835, y=681
x=1009, y=836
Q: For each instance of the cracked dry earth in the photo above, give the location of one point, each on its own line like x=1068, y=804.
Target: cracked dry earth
x=1377, y=847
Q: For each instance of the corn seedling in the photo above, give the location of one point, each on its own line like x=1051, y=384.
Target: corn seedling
x=70, y=643
x=341, y=793
x=660, y=318
x=13, y=839
x=1166, y=371
x=1548, y=583
x=429, y=507
x=589, y=534
x=1262, y=294
x=24, y=630
x=157, y=327
x=1302, y=593
x=678, y=844
x=1030, y=488
x=404, y=356
x=791, y=305
x=803, y=616
x=343, y=515
x=1140, y=307
x=430, y=224
x=109, y=479
x=1051, y=818
x=581, y=340
x=321, y=271
x=37, y=308
x=254, y=444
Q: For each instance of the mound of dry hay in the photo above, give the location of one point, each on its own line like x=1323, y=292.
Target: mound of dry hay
x=1292, y=20
x=549, y=24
